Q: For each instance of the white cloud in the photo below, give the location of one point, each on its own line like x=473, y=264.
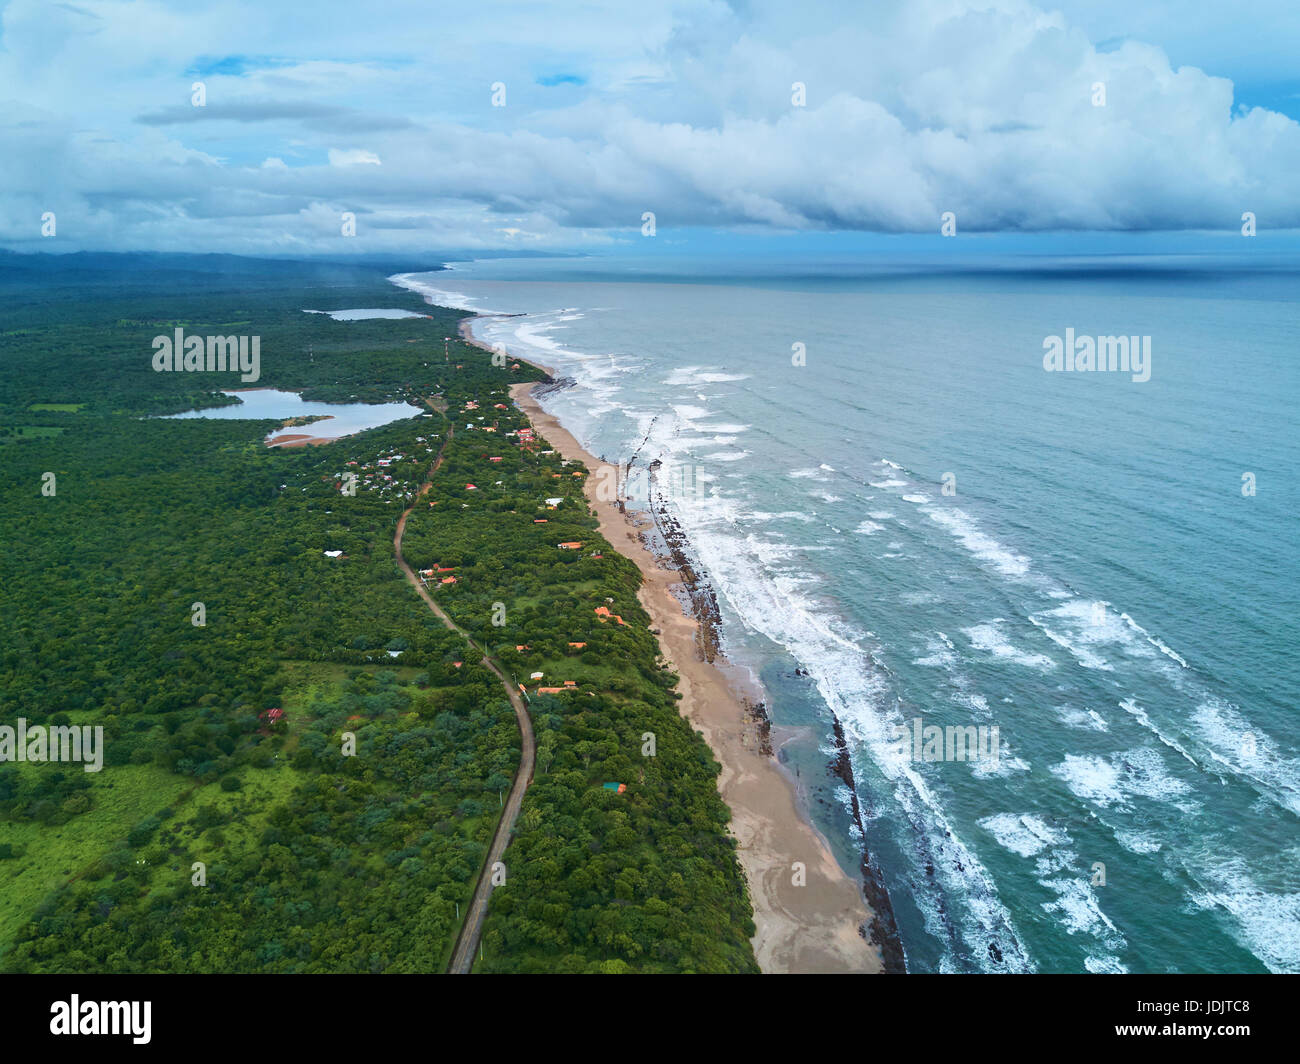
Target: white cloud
x=352, y=157
x=913, y=108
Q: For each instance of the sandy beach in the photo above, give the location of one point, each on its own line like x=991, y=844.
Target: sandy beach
x=812, y=927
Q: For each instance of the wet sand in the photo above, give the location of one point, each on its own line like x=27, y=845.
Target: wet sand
x=814, y=927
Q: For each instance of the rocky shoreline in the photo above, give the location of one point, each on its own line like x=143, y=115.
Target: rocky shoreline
x=698, y=591
x=699, y=598
x=883, y=929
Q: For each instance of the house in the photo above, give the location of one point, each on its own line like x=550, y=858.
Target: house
x=570, y=683
x=494, y=459
x=470, y=487
x=334, y=554
x=537, y=676
x=448, y=579
x=539, y=520
x=617, y=788
x=522, y=647
x=603, y=613
x=458, y=664
x=550, y=690
x=577, y=646
x=571, y=545
x=554, y=501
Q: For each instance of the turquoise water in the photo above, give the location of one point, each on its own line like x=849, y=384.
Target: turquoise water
x=1092, y=581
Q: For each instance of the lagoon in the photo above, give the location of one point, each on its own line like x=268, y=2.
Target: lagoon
x=344, y=419
x=365, y=313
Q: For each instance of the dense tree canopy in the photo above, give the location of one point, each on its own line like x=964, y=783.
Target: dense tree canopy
x=224, y=741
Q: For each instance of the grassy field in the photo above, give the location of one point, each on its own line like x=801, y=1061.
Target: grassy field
x=52, y=856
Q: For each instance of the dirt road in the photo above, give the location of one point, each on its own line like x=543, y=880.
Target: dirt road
x=472, y=929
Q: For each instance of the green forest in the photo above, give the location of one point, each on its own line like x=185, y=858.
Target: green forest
x=302, y=768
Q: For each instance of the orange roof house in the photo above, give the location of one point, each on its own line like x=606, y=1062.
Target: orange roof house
x=448, y=579
x=550, y=690
x=571, y=545
x=603, y=613
x=578, y=646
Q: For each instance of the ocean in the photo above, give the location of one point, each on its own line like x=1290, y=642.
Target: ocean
x=911, y=522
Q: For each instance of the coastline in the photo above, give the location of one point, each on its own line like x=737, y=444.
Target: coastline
x=820, y=926
x=816, y=927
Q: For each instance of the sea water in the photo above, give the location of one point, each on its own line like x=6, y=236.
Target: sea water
x=909, y=518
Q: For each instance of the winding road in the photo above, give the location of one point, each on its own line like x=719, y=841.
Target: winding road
x=471, y=931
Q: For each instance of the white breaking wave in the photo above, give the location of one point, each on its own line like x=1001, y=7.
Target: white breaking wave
x=436, y=295
x=773, y=604
x=1134, y=773
x=963, y=528
x=1268, y=921
x=1025, y=834
x=991, y=638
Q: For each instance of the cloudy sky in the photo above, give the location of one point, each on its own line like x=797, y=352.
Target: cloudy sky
x=558, y=125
